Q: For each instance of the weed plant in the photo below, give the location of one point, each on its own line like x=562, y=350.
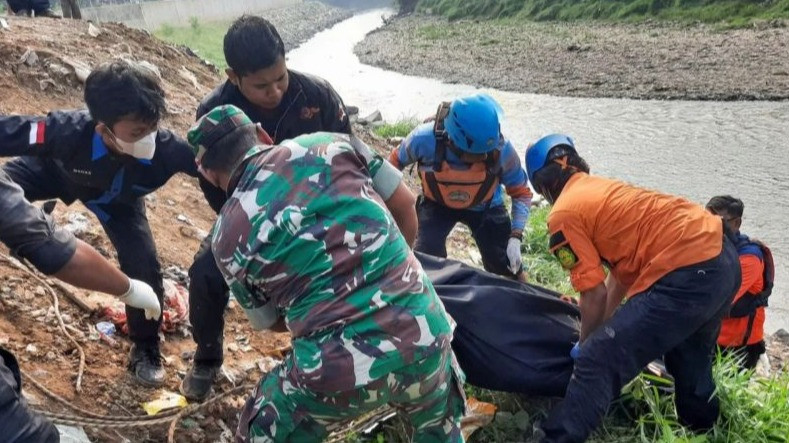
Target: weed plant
x=398, y=129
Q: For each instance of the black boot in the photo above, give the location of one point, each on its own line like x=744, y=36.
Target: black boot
x=145, y=362
x=198, y=381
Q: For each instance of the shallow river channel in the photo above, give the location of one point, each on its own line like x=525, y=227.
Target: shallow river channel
x=695, y=149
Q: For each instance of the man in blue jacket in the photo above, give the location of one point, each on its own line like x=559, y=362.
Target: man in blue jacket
x=108, y=157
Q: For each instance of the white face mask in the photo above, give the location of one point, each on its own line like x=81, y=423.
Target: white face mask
x=142, y=148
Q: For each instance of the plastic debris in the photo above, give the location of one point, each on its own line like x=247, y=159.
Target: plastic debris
x=174, y=315
x=176, y=304
x=105, y=328
x=166, y=400
x=71, y=434
x=478, y=415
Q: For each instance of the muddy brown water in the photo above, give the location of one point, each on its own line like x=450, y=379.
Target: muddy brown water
x=692, y=148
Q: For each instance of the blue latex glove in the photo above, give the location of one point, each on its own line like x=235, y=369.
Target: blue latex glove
x=575, y=351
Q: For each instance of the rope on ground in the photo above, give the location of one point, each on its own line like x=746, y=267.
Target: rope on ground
x=173, y=425
x=85, y=412
x=28, y=270
x=110, y=422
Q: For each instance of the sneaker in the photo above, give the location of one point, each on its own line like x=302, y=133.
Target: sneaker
x=198, y=381
x=48, y=13
x=23, y=13
x=145, y=362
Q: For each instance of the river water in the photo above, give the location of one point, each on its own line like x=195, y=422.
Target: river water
x=695, y=149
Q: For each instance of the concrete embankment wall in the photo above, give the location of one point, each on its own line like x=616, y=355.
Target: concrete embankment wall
x=151, y=15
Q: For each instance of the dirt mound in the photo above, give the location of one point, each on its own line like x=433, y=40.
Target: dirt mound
x=43, y=64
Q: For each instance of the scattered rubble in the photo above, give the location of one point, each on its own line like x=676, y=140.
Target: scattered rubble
x=374, y=119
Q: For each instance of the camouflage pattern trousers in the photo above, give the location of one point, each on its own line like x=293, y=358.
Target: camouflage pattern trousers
x=427, y=392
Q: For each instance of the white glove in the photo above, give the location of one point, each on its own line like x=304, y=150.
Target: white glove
x=514, y=254
x=141, y=296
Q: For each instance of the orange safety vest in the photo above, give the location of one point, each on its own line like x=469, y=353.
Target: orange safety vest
x=750, y=305
x=456, y=188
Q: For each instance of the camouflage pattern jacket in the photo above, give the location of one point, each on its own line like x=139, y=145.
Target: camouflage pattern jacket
x=305, y=236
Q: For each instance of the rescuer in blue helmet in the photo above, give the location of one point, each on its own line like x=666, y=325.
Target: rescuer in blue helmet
x=465, y=163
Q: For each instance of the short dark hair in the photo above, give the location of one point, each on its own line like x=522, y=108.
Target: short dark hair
x=726, y=204
x=552, y=177
x=226, y=152
x=252, y=43
x=121, y=89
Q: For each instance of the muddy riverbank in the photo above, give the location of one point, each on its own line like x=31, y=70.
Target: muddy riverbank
x=641, y=61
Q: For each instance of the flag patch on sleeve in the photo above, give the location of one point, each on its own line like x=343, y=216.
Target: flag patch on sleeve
x=37, y=132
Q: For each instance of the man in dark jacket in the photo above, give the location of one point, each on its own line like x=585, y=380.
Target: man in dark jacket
x=29, y=233
x=108, y=157
x=285, y=104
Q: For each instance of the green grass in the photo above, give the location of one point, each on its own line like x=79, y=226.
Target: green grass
x=543, y=268
x=398, y=129
x=733, y=12
x=205, y=39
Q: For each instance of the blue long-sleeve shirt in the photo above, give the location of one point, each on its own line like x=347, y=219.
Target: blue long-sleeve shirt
x=420, y=147
x=67, y=141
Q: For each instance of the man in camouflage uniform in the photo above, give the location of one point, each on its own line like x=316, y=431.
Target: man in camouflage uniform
x=305, y=239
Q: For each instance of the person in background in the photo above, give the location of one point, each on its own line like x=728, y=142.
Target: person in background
x=673, y=261
x=30, y=234
x=39, y=8
x=286, y=104
x=71, y=9
x=464, y=162
x=742, y=331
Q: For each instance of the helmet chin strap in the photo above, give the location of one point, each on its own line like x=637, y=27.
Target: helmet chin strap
x=550, y=192
x=550, y=197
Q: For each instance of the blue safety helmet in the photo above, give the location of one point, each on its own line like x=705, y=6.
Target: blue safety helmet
x=537, y=154
x=473, y=123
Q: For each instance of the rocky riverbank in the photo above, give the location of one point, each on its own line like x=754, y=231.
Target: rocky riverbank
x=641, y=61
x=297, y=24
